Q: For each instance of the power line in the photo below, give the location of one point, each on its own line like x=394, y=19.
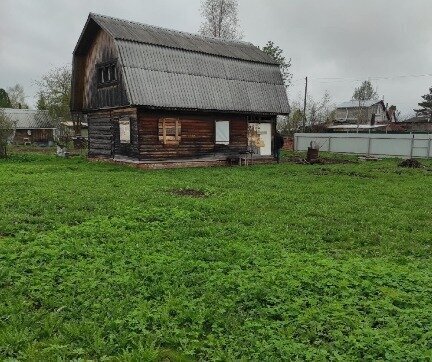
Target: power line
x=360, y=79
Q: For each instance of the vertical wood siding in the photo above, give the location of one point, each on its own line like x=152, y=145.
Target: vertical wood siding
x=102, y=50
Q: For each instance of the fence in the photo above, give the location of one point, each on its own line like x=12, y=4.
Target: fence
x=373, y=144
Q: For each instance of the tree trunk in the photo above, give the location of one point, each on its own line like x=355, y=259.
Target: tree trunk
x=3, y=151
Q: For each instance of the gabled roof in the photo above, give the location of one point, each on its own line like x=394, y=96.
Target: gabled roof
x=28, y=118
x=164, y=68
x=355, y=103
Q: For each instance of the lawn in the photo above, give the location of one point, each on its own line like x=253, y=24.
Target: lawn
x=266, y=263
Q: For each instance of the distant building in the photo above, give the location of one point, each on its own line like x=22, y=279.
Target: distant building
x=370, y=113
x=31, y=126
x=419, y=124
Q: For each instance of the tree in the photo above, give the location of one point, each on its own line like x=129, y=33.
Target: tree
x=220, y=19
x=41, y=103
x=426, y=106
x=318, y=114
x=365, y=92
x=291, y=124
x=4, y=99
x=17, y=96
x=6, y=132
x=55, y=90
x=277, y=54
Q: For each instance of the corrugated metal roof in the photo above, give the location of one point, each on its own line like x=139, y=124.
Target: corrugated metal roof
x=355, y=104
x=172, y=78
x=148, y=34
x=164, y=68
x=28, y=118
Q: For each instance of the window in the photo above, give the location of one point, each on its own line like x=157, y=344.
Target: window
x=222, y=133
x=107, y=73
x=170, y=131
x=124, y=128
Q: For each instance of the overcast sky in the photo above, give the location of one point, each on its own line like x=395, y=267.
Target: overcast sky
x=345, y=40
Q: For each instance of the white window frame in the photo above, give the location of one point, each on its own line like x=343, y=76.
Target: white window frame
x=222, y=132
x=124, y=130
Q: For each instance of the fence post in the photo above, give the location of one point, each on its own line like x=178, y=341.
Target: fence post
x=369, y=145
x=412, y=146
x=428, y=148
x=329, y=144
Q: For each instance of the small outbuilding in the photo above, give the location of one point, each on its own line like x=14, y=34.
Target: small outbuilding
x=31, y=126
x=152, y=93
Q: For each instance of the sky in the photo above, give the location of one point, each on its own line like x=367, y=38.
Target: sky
x=335, y=43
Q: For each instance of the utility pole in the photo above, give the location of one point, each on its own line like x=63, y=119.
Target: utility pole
x=304, y=106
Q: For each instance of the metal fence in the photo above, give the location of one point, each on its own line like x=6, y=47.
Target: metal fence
x=372, y=144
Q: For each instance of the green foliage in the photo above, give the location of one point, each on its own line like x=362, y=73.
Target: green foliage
x=365, y=92
x=4, y=99
x=55, y=90
x=41, y=103
x=279, y=262
x=426, y=105
x=277, y=54
x=6, y=131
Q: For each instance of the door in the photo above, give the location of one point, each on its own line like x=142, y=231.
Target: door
x=260, y=138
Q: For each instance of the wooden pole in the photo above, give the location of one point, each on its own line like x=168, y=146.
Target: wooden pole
x=304, y=106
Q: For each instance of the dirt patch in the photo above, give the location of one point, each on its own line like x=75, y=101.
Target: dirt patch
x=411, y=163
x=188, y=192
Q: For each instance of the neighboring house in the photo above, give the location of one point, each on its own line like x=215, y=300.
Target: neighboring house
x=31, y=126
x=154, y=93
x=364, y=112
x=421, y=124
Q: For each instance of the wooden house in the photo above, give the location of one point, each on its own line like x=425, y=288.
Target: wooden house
x=31, y=126
x=369, y=112
x=152, y=93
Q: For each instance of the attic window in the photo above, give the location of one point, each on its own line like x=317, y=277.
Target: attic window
x=107, y=73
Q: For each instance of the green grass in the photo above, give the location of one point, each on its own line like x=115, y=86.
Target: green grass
x=277, y=262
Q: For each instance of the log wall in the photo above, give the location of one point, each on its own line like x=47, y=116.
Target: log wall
x=197, y=134
x=104, y=135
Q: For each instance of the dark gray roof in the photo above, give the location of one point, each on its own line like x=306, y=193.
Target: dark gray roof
x=147, y=34
x=28, y=118
x=163, y=77
x=164, y=68
x=355, y=104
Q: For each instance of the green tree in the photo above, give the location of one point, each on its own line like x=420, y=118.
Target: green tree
x=55, y=89
x=4, y=99
x=277, y=54
x=365, y=92
x=41, y=103
x=6, y=132
x=426, y=105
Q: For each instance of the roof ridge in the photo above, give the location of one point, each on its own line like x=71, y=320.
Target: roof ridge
x=221, y=40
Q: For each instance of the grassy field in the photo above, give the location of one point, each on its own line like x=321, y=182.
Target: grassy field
x=277, y=262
